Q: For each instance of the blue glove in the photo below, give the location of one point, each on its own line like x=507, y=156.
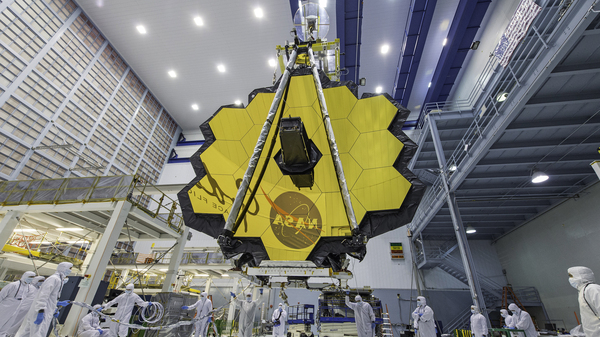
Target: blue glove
x=421, y=314
x=260, y=290
x=513, y=328
x=39, y=318
x=149, y=303
x=347, y=292
x=63, y=303
x=100, y=331
x=209, y=319
x=185, y=307
x=232, y=294
x=373, y=325
x=56, y=313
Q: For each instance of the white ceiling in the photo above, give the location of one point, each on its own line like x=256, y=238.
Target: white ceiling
x=233, y=36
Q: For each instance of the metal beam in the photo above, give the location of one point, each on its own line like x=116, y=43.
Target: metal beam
x=527, y=174
x=539, y=160
x=576, y=69
x=535, y=144
x=463, y=245
x=349, y=17
x=543, y=101
x=146, y=219
x=45, y=208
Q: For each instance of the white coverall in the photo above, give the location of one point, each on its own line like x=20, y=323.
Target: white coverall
x=281, y=315
x=582, y=279
x=363, y=315
x=45, y=300
x=15, y=300
x=478, y=324
x=508, y=320
x=522, y=321
x=203, y=309
x=126, y=302
x=247, y=312
x=89, y=325
x=25, y=306
x=423, y=319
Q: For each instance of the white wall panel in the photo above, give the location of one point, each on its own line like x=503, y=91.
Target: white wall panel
x=540, y=252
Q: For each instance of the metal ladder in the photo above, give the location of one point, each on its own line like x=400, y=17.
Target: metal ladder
x=386, y=327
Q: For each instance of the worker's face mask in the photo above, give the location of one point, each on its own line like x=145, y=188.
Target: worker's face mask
x=68, y=272
x=28, y=280
x=419, y=302
x=128, y=291
x=573, y=282
x=514, y=312
x=503, y=315
x=249, y=299
x=472, y=311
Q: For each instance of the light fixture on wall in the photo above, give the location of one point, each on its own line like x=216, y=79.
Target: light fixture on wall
x=538, y=177
x=502, y=97
x=470, y=230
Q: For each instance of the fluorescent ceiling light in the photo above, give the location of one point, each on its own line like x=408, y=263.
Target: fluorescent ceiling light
x=445, y=41
x=323, y=3
x=163, y=269
x=385, y=48
x=238, y=102
x=224, y=275
x=452, y=168
x=221, y=68
x=539, y=177
x=470, y=230
x=378, y=90
x=258, y=12
x=198, y=21
x=141, y=29
x=429, y=85
x=172, y=73
x=272, y=62
x=26, y=230
x=202, y=275
x=72, y=229
x=195, y=106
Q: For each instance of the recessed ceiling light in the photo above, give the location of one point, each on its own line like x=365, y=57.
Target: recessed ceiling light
x=323, y=3
x=470, y=230
x=502, y=97
x=444, y=42
x=429, y=85
x=272, y=62
x=225, y=275
x=238, y=102
x=198, y=21
x=258, y=12
x=73, y=229
x=141, y=29
x=385, y=48
x=221, y=68
x=378, y=90
x=172, y=73
x=195, y=106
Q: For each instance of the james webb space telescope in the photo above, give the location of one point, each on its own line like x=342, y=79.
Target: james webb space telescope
x=306, y=173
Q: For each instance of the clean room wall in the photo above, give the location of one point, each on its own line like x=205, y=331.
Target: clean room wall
x=540, y=252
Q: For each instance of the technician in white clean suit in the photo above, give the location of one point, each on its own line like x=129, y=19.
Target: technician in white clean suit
x=126, y=301
x=90, y=324
x=247, y=312
x=423, y=319
x=478, y=323
x=582, y=279
x=13, y=300
x=203, y=313
x=522, y=321
x=279, y=319
x=26, y=303
x=363, y=315
x=508, y=320
x=44, y=305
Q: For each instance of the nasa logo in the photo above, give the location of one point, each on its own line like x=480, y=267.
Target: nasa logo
x=295, y=220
